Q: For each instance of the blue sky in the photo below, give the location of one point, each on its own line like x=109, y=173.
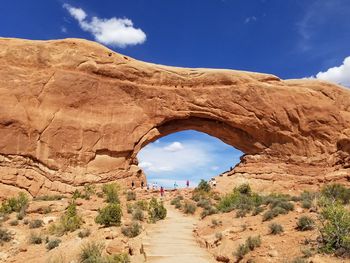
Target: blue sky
x=289, y=38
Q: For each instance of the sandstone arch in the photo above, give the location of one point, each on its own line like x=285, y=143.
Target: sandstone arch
x=74, y=112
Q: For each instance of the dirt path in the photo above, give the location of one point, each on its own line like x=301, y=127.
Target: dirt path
x=172, y=241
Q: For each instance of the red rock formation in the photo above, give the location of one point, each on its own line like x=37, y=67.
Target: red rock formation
x=75, y=112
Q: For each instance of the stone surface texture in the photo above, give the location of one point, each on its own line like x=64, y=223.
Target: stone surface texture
x=74, y=112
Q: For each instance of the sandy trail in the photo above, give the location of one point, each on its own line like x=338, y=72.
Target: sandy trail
x=172, y=241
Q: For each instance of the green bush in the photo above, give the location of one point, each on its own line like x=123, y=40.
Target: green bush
x=241, y=251
x=189, y=207
x=306, y=204
x=53, y=244
x=335, y=229
x=36, y=223
x=250, y=244
x=35, y=238
x=92, y=253
x=253, y=242
x=274, y=212
x=275, y=228
x=110, y=215
x=204, y=203
x=84, y=233
x=14, y=204
x=336, y=192
x=203, y=186
x=241, y=198
x=257, y=210
x=111, y=192
x=299, y=260
x=241, y=213
x=69, y=221
x=5, y=236
x=156, y=210
x=132, y=231
x=209, y=211
x=130, y=195
x=305, y=223
x=137, y=214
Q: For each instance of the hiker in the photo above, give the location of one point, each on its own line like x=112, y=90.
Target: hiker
x=161, y=191
x=147, y=187
x=175, y=185
x=188, y=183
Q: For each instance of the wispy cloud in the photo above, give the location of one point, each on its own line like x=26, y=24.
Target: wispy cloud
x=186, y=158
x=339, y=74
x=119, y=32
x=250, y=19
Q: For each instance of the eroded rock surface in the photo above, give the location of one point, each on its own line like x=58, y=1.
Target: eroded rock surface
x=74, y=112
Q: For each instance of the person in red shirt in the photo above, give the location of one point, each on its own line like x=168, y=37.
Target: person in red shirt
x=161, y=191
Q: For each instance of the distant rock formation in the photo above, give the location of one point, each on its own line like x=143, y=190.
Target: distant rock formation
x=74, y=112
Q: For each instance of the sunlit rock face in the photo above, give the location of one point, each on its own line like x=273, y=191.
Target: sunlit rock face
x=74, y=112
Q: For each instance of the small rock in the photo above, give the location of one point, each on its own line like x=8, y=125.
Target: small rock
x=299, y=210
x=222, y=259
x=23, y=249
x=273, y=253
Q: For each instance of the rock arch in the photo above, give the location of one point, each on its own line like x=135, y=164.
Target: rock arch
x=74, y=112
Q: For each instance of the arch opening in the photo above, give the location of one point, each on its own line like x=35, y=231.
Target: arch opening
x=186, y=155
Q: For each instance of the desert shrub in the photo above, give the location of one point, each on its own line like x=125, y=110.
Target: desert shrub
x=241, y=251
x=257, y=210
x=250, y=244
x=209, y=211
x=141, y=204
x=241, y=213
x=307, y=252
x=156, y=210
x=21, y=214
x=306, y=204
x=129, y=208
x=35, y=238
x=84, y=233
x=53, y=244
x=253, y=242
x=46, y=210
x=36, y=223
x=77, y=194
x=336, y=192
x=14, y=204
x=335, y=229
x=138, y=214
x=14, y=222
x=48, y=198
x=130, y=195
x=132, y=231
x=204, y=203
x=305, y=223
x=219, y=235
x=5, y=235
x=215, y=222
x=92, y=253
x=177, y=202
x=88, y=191
x=275, y=228
x=203, y=190
x=110, y=215
x=203, y=186
x=111, y=192
x=241, y=198
x=189, y=207
x=69, y=221
x=274, y=212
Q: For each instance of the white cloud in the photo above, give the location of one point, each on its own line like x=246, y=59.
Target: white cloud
x=214, y=168
x=119, y=32
x=177, y=156
x=174, y=147
x=63, y=29
x=339, y=75
x=250, y=19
